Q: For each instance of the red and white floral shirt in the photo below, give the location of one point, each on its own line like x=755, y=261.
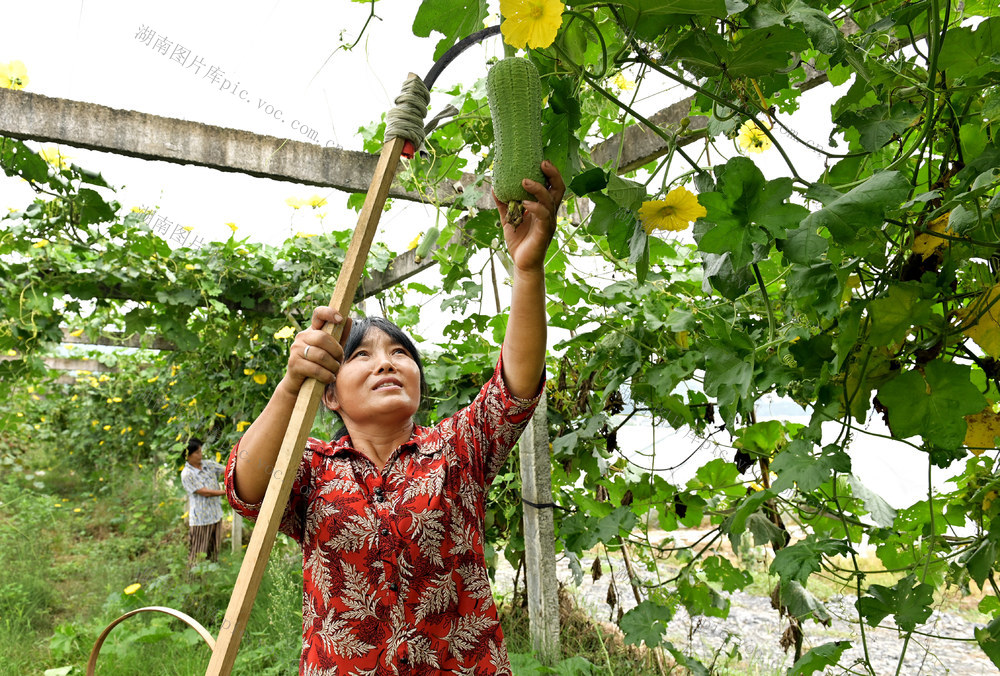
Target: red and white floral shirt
x=394, y=574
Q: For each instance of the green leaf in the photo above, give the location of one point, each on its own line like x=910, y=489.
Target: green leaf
x=803, y=245
x=981, y=562
x=646, y=623
x=736, y=524
x=560, y=122
x=626, y=193
x=880, y=510
x=454, y=19
x=724, y=278
x=820, y=657
x=765, y=50
x=880, y=124
x=795, y=465
x=861, y=209
x=802, y=559
x=746, y=210
x=801, y=603
x=765, y=532
x=589, y=181
x=989, y=640
x=932, y=404
x=93, y=208
x=761, y=438
x=822, y=31
x=719, y=569
x=715, y=8
x=909, y=604
x=816, y=288
x=970, y=53
x=727, y=374
x=574, y=666
x=893, y=315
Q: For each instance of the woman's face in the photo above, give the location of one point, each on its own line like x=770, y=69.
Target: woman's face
x=378, y=382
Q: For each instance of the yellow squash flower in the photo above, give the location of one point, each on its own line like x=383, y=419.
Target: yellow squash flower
x=295, y=202
x=415, y=242
x=77, y=333
x=623, y=82
x=752, y=139
x=232, y=226
x=284, y=332
x=54, y=156
x=40, y=244
x=133, y=588
x=531, y=22
x=13, y=75
x=248, y=372
x=260, y=378
x=316, y=202
x=242, y=425
x=674, y=212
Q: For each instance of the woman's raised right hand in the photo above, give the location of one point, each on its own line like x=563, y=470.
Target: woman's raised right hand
x=314, y=352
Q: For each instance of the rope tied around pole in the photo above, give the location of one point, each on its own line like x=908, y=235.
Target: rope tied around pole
x=406, y=119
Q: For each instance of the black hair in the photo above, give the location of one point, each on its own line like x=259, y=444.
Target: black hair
x=359, y=330
x=194, y=444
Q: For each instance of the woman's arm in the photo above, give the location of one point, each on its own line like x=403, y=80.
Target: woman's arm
x=261, y=442
x=525, y=339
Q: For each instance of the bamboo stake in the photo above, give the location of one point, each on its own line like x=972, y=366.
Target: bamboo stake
x=293, y=444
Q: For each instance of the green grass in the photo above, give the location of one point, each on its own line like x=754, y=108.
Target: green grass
x=68, y=550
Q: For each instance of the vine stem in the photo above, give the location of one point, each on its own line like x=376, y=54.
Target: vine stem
x=767, y=303
x=858, y=575
x=671, y=140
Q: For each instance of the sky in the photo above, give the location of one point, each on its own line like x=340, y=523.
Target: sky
x=275, y=55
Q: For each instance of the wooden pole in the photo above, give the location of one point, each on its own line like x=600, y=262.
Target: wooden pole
x=293, y=444
x=539, y=536
x=237, y=533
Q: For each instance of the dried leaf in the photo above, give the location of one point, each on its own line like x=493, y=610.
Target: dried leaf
x=981, y=321
x=982, y=428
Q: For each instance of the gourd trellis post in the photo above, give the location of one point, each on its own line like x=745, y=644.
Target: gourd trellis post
x=29, y=116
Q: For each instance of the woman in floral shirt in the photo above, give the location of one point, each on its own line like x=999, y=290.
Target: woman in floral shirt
x=389, y=513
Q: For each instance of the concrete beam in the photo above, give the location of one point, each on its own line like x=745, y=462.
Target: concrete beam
x=151, y=137
x=64, y=364
x=121, y=340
